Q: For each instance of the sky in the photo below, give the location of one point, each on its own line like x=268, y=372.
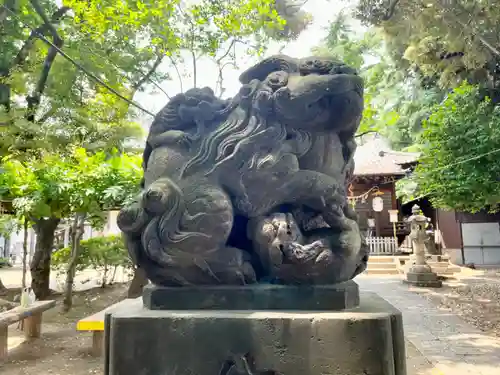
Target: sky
x=323, y=11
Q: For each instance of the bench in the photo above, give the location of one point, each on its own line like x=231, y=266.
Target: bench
x=32, y=317
x=95, y=324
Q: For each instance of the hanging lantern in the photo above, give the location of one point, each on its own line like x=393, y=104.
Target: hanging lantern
x=378, y=204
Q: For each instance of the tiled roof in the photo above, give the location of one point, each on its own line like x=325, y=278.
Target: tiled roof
x=375, y=157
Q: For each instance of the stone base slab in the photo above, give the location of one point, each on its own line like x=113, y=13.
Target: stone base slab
x=423, y=279
x=366, y=340
x=253, y=297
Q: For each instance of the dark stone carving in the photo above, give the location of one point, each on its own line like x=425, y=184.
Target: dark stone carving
x=252, y=189
x=244, y=365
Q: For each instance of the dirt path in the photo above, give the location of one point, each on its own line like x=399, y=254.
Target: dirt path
x=61, y=350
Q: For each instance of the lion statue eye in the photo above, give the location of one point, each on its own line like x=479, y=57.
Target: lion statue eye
x=276, y=80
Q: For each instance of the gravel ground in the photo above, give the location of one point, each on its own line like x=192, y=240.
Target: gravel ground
x=472, y=295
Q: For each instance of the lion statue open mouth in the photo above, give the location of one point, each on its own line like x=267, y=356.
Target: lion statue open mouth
x=252, y=189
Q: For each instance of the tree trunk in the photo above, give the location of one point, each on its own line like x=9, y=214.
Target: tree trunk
x=139, y=281
x=7, y=246
x=76, y=236
x=3, y=288
x=40, y=264
x=104, y=275
x=25, y=253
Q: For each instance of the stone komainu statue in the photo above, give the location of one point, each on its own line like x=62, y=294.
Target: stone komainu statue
x=253, y=188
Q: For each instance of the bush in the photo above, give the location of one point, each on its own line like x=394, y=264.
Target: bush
x=103, y=254
x=5, y=262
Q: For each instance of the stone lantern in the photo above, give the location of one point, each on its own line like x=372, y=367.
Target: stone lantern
x=420, y=273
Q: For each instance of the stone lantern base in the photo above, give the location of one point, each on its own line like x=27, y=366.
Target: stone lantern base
x=422, y=275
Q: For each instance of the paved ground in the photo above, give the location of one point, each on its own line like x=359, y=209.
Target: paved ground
x=443, y=339
x=11, y=278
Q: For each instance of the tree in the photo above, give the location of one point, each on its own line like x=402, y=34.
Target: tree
x=99, y=183
x=66, y=104
x=46, y=190
x=445, y=41
x=460, y=146
x=38, y=190
x=395, y=100
x=103, y=254
x=186, y=33
x=7, y=225
x=343, y=44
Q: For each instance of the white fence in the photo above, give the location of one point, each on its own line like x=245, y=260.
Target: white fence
x=382, y=245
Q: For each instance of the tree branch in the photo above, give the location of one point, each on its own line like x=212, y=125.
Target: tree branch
x=23, y=52
x=149, y=73
x=468, y=26
x=111, y=62
x=193, y=57
x=179, y=76
x=191, y=47
x=34, y=99
x=390, y=11
x=29, y=42
x=9, y=5
x=220, y=66
x=89, y=74
x=365, y=133
x=46, y=115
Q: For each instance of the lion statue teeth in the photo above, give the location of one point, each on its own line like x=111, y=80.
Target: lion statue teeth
x=252, y=188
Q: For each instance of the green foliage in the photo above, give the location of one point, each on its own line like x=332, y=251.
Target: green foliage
x=422, y=51
x=5, y=263
x=102, y=254
x=59, y=186
x=344, y=44
x=123, y=43
x=395, y=100
x=8, y=225
x=444, y=41
x=205, y=28
x=73, y=110
x=452, y=169
x=172, y=25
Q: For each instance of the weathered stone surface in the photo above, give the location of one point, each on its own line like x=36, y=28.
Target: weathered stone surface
x=420, y=273
x=424, y=279
x=253, y=297
x=365, y=340
x=253, y=188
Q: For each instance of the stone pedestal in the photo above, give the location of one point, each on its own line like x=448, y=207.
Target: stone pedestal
x=293, y=331
x=422, y=275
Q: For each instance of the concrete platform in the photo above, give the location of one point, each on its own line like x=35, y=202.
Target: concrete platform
x=364, y=340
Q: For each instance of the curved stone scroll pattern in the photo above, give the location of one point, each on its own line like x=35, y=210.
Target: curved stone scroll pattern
x=252, y=188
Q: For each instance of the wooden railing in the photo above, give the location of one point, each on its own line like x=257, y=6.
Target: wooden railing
x=382, y=245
